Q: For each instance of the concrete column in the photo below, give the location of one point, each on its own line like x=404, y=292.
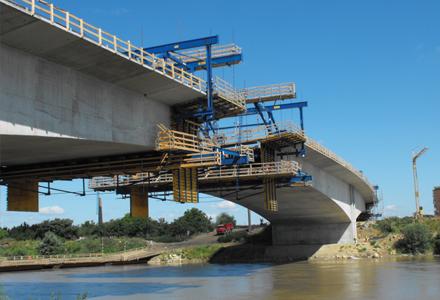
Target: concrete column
x=139, y=202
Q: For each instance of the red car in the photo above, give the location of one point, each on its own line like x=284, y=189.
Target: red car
x=224, y=228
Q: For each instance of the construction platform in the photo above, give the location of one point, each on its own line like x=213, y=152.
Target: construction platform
x=209, y=177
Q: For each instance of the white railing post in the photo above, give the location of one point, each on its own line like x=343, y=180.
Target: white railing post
x=81, y=28
x=32, y=7
x=51, y=13
x=129, y=49
x=67, y=20
x=100, y=37
x=115, y=43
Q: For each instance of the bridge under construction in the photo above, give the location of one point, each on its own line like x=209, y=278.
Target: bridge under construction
x=155, y=122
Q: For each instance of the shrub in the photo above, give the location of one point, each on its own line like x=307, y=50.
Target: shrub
x=3, y=233
x=416, y=239
x=235, y=236
x=51, y=244
x=393, y=224
x=437, y=245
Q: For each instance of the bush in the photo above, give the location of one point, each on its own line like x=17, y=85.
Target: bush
x=437, y=245
x=51, y=244
x=393, y=224
x=225, y=218
x=235, y=236
x=3, y=233
x=416, y=239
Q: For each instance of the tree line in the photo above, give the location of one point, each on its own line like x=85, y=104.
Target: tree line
x=192, y=222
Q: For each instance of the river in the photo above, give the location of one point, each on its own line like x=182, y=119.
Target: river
x=354, y=279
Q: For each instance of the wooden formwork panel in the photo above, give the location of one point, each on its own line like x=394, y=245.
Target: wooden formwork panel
x=139, y=202
x=270, y=194
x=185, y=185
x=23, y=195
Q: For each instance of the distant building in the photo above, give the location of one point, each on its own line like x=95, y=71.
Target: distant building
x=436, y=195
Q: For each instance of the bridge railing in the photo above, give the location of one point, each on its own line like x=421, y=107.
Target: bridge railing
x=75, y=255
x=330, y=154
x=68, y=22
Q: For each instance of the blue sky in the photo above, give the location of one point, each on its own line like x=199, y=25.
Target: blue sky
x=370, y=71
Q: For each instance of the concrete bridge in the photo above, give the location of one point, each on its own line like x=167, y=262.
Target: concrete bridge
x=79, y=102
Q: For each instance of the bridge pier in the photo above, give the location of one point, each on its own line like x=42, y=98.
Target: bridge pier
x=313, y=234
x=301, y=241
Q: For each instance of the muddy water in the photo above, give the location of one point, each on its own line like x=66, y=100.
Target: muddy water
x=391, y=279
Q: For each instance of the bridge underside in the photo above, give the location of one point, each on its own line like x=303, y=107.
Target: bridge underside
x=22, y=150
x=305, y=216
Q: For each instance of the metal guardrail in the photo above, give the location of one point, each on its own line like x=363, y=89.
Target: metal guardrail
x=277, y=168
x=216, y=51
x=72, y=24
x=330, y=154
x=226, y=91
x=257, y=133
x=173, y=140
x=72, y=256
x=269, y=92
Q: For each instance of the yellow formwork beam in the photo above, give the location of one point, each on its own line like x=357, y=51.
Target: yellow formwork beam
x=23, y=195
x=139, y=202
x=269, y=184
x=185, y=185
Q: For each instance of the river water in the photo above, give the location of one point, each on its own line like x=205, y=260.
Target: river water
x=354, y=279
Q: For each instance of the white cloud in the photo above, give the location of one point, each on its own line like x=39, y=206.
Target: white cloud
x=226, y=204
x=52, y=210
x=391, y=207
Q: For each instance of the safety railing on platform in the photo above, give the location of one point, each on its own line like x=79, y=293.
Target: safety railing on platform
x=269, y=92
x=173, y=140
x=66, y=21
x=257, y=133
x=277, y=168
x=226, y=91
x=200, y=54
x=254, y=170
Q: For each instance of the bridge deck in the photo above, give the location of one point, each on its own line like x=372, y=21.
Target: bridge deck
x=54, y=34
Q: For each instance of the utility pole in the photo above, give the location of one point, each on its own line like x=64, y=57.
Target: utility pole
x=249, y=221
x=100, y=220
x=416, y=180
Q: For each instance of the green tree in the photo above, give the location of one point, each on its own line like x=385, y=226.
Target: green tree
x=51, y=244
x=3, y=233
x=193, y=221
x=225, y=218
x=416, y=239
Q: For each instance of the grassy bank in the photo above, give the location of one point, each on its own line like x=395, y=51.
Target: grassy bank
x=197, y=254
x=12, y=247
